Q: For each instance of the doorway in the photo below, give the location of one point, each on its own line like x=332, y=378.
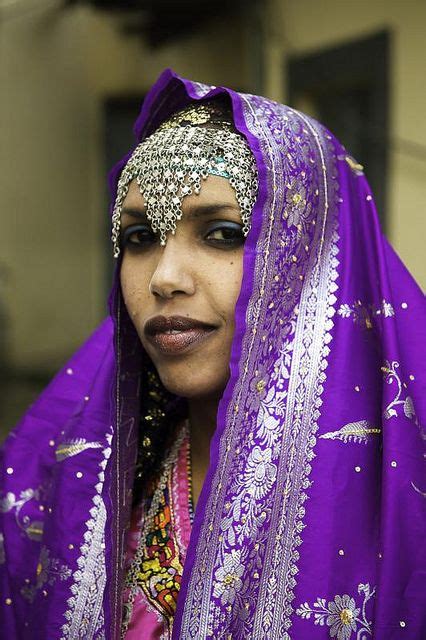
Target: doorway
x=347, y=88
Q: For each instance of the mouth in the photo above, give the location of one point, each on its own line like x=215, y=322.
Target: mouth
x=176, y=334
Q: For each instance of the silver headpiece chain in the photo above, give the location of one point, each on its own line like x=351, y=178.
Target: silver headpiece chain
x=171, y=164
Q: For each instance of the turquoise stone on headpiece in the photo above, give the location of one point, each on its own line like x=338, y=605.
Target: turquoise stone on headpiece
x=173, y=162
x=219, y=169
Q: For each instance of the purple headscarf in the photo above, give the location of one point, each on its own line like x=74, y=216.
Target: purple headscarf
x=311, y=521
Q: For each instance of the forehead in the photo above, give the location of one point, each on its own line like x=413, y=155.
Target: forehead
x=214, y=190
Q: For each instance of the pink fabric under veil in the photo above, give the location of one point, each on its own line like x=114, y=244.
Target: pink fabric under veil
x=146, y=621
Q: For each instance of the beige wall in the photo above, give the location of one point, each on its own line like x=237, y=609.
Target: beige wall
x=300, y=26
x=47, y=236
x=56, y=68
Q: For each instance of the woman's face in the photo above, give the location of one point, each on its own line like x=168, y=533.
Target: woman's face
x=181, y=297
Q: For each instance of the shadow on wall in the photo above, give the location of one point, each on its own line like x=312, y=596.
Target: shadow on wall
x=17, y=391
x=16, y=395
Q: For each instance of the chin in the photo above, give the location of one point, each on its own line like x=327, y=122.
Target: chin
x=203, y=373
x=192, y=386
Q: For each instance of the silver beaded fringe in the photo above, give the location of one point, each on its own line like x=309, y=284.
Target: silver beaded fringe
x=171, y=163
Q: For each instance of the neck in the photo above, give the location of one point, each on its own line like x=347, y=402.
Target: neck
x=202, y=421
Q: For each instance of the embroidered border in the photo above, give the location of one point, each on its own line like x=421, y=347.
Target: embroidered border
x=197, y=622
x=220, y=591
x=309, y=362
x=84, y=614
x=138, y=574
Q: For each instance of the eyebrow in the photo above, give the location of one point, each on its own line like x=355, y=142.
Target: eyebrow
x=194, y=211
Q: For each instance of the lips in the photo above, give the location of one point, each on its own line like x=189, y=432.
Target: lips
x=174, y=334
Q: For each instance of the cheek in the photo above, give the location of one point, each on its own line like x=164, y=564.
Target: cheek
x=134, y=286
x=227, y=288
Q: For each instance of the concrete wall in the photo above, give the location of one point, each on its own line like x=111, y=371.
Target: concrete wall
x=302, y=26
x=56, y=68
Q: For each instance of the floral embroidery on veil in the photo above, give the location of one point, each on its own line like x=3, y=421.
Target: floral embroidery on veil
x=342, y=614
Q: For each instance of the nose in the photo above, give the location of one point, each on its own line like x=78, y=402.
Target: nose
x=173, y=272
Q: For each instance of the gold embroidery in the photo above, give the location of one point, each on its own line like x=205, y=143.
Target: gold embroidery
x=73, y=447
x=365, y=314
x=360, y=431
x=35, y=530
x=196, y=115
x=48, y=571
x=354, y=165
x=341, y=615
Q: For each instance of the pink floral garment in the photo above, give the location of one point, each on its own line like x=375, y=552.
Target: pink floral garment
x=159, y=572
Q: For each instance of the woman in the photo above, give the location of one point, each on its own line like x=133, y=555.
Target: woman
x=258, y=310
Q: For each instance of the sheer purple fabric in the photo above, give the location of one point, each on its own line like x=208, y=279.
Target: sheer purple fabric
x=311, y=522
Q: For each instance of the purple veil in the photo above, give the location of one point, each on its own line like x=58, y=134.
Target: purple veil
x=311, y=522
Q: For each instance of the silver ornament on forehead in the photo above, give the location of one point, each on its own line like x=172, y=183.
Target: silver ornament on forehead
x=172, y=163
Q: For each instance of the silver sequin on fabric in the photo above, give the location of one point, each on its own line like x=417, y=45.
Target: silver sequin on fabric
x=171, y=164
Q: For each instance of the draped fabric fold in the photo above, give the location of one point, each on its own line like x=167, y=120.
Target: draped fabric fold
x=312, y=516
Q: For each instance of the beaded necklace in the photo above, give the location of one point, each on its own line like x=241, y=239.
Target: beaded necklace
x=189, y=476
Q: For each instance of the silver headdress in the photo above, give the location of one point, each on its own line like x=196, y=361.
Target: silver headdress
x=172, y=162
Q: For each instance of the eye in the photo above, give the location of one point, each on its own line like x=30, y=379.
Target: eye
x=225, y=234
x=137, y=236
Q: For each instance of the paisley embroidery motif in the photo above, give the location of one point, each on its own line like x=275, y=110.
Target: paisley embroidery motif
x=342, y=615
x=73, y=447
x=360, y=432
